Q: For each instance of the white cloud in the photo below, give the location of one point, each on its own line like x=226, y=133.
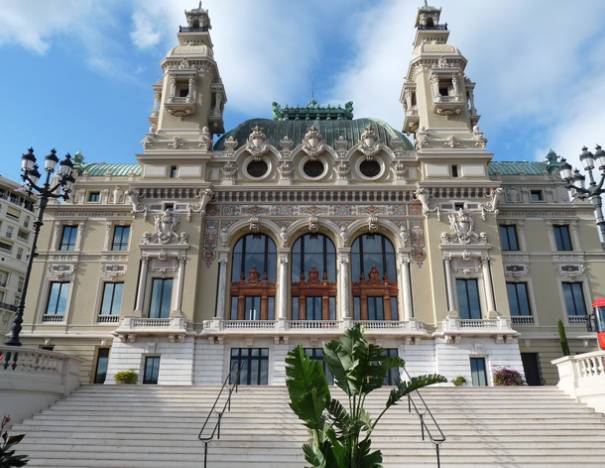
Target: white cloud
x=143, y=34
x=31, y=23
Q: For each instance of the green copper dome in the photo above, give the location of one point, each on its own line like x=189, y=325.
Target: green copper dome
x=330, y=130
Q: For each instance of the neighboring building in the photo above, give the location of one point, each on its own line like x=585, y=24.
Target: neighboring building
x=16, y=223
x=281, y=232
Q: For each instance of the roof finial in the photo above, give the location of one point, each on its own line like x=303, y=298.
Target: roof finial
x=426, y=4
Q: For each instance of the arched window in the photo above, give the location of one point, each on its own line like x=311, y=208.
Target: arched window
x=313, y=278
x=253, y=268
x=374, y=276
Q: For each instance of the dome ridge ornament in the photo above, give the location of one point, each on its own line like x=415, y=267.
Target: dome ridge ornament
x=257, y=143
x=368, y=144
x=313, y=143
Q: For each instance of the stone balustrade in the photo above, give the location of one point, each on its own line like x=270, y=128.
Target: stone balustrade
x=498, y=327
x=174, y=327
x=583, y=377
x=391, y=327
x=32, y=379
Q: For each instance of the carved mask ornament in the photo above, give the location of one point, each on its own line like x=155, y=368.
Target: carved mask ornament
x=257, y=143
x=313, y=143
x=368, y=145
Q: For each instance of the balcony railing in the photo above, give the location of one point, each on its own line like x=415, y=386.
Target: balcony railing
x=284, y=326
x=108, y=319
x=454, y=325
x=313, y=324
x=523, y=320
x=52, y=318
x=254, y=324
x=578, y=320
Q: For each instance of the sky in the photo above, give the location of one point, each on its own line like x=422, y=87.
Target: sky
x=78, y=73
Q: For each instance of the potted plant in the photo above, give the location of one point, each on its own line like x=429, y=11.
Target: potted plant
x=128, y=376
x=507, y=377
x=459, y=381
x=340, y=434
x=8, y=459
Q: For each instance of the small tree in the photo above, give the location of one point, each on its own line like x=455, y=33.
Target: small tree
x=128, y=377
x=8, y=459
x=340, y=437
x=507, y=377
x=563, y=339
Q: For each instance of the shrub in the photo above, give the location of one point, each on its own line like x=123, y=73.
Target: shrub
x=459, y=381
x=127, y=377
x=507, y=377
x=8, y=459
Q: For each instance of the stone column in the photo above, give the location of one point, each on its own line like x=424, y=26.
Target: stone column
x=282, y=287
x=80, y=237
x=405, y=291
x=487, y=281
x=177, y=289
x=222, y=286
x=344, y=286
x=142, y=282
x=108, y=239
x=449, y=284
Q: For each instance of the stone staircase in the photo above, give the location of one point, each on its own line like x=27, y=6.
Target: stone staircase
x=157, y=426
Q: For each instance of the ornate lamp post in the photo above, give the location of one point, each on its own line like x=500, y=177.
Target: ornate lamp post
x=575, y=182
x=56, y=187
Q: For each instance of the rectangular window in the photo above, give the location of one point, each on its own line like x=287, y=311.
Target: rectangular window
x=112, y=299
x=317, y=354
x=332, y=308
x=469, y=305
x=94, y=197
x=375, y=308
x=518, y=299
x=57, y=298
x=3, y=279
x=101, y=367
x=234, y=301
x=536, y=195
x=121, y=235
x=9, y=232
x=454, y=170
x=271, y=307
x=19, y=253
x=6, y=246
x=478, y=372
x=573, y=293
x=151, y=372
x=394, y=309
x=508, y=237
x=161, y=296
x=68, y=238
x=295, y=308
x=252, y=311
x=173, y=172
x=562, y=237
x=253, y=364
x=313, y=307
x=357, y=308
x=392, y=377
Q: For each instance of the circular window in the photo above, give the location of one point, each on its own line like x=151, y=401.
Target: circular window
x=313, y=168
x=370, y=168
x=257, y=168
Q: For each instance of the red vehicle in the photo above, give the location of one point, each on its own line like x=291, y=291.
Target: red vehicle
x=596, y=320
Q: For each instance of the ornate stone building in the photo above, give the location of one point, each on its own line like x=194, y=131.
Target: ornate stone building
x=221, y=248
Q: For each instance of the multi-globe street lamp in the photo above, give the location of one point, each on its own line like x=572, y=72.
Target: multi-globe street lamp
x=57, y=184
x=576, y=182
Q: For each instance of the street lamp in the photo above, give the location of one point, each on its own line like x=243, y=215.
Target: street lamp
x=575, y=182
x=58, y=186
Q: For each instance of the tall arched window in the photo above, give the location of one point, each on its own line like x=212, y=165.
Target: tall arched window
x=253, y=267
x=313, y=278
x=374, y=276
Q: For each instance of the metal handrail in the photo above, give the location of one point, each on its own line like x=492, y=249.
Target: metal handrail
x=436, y=439
x=226, y=407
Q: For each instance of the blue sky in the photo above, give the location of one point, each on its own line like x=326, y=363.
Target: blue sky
x=78, y=73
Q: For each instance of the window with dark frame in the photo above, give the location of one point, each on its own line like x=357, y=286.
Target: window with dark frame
x=94, y=197
x=454, y=170
x=151, y=370
x=112, y=299
x=562, y=237
x=57, y=298
x=374, y=276
x=253, y=272
x=253, y=364
x=101, y=365
x=469, y=304
x=575, y=305
x=161, y=298
x=518, y=299
x=393, y=376
x=536, y=195
x=478, y=372
x=508, y=237
x=121, y=235
x=69, y=235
